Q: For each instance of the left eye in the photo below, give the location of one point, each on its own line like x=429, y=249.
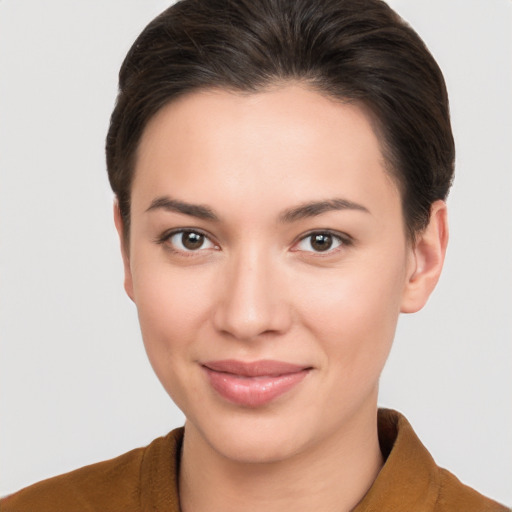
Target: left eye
x=319, y=242
x=188, y=241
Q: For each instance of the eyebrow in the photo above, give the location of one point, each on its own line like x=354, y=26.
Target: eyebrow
x=314, y=208
x=310, y=209
x=173, y=205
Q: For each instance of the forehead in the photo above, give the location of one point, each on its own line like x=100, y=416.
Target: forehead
x=289, y=143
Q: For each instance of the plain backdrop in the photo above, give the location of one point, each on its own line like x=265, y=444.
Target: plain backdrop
x=75, y=385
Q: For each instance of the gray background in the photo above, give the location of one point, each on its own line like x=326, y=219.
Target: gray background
x=74, y=381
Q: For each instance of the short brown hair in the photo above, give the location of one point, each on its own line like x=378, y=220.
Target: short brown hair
x=353, y=50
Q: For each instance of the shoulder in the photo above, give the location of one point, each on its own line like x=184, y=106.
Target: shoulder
x=115, y=482
x=454, y=496
x=111, y=485
x=411, y=480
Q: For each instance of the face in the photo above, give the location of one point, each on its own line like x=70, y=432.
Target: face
x=268, y=262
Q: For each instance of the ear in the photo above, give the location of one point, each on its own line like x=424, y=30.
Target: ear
x=427, y=258
x=128, y=281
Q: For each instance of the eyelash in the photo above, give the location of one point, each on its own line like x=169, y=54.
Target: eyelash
x=165, y=239
x=342, y=239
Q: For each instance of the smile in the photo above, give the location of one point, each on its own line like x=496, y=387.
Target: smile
x=253, y=384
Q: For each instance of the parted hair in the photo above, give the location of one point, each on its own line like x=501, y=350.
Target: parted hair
x=357, y=51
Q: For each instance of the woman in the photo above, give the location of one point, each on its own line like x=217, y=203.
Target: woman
x=280, y=173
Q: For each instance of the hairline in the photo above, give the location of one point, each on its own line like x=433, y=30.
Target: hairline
x=388, y=161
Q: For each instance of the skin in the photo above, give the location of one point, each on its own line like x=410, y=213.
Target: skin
x=257, y=288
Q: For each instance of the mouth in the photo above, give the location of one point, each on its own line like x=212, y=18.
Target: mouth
x=253, y=384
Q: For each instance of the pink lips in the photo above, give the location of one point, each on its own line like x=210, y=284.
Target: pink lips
x=253, y=384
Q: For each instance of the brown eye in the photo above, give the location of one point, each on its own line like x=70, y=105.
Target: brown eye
x=192, y=241
x=321, y=241
x=188, y=241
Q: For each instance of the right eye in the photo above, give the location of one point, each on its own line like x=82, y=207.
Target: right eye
x=189, y=241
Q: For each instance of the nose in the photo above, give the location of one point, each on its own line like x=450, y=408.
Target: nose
x=252, y=299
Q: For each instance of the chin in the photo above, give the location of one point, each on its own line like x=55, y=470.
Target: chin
x=254, y=437
x=257, y=448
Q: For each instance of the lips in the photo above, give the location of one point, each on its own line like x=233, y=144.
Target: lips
x=253, y=384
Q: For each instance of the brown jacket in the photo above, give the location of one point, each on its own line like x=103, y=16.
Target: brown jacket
x=145, y=479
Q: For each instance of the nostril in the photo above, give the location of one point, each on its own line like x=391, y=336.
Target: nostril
x=247, y=322
x=251, y=302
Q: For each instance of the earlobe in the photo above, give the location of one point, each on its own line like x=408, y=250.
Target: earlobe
x=428, y=257
x=118, y=220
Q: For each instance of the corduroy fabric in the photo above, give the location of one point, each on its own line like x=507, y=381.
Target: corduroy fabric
x=146, y=480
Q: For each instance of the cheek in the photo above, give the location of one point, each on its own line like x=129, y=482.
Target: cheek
x=354, y=315
x=169, y=301
x=172, y=308
x=171, y=313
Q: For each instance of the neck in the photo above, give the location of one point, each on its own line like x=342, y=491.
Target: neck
x=333, y=475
